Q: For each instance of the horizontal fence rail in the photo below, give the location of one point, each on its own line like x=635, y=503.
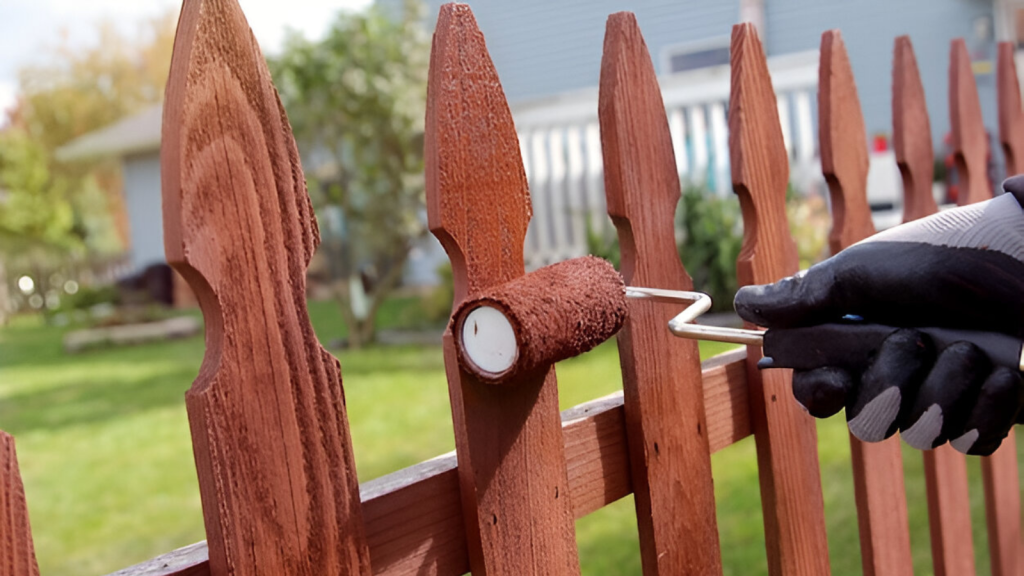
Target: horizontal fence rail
x=414, y=516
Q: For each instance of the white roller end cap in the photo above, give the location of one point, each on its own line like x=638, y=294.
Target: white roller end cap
x=488, y=340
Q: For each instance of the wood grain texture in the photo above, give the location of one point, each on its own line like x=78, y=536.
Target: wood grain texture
x=1011, y=117
x=664, y=404
x=786, y=437
x=516, y=504
x=267, y=411
x=877, y=467
x=912, y=133
x=414, y=516
x=844, y=147
x=970, y=142
x=945, y=469
x=17, y=554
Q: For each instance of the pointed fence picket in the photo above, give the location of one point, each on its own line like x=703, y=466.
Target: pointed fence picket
x=569, y=203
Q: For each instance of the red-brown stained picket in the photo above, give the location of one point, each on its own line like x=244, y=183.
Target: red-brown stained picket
x=945, y=469
x=970, y=142
x=912, y=133
x=1000, y=474
x=786, y=437
x=877, y=467
x=664, y=399
x=17, y=554
x=269, y=431
x=515, y=497
x=1011, y=116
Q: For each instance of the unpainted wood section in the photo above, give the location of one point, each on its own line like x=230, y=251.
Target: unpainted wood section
x=945, y=469
x=515, y=497
x=877, y=467
x=912, y=133
x=786, y=437
x=267, y=411
x=414, y=519
x=664, y=404
x=17, y=554
x=844, y=147
x=949, y=512
x=970, y=143
x=1011, y=117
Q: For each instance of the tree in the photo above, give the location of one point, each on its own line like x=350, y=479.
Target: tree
x=34, y=209
x=77, y=89
x=53, y=211
x=356, y=103
x=36, y=217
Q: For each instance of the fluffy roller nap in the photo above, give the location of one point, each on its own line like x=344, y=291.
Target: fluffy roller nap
x=556, y=312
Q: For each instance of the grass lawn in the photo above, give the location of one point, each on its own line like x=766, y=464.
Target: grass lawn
x=105, y=451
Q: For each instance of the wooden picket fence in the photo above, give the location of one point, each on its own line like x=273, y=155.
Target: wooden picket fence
x=267, y=411
x=560, y=143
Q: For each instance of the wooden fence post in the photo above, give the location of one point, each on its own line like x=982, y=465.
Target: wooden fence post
x=945, y=469
x=661, y=374
x=17, y=554
x=877, y=467
x=999, y=471
x=912, y=133
x=786, y=436
x=267, y=411
x=1011, y=117
x=515, y=498
x=970, y=142
x=844, y=150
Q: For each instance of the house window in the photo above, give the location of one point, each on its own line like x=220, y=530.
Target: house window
x=704, y=54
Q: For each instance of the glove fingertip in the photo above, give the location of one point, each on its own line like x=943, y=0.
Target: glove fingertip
x=874, y=421
x=965, y=442
x=822, y=391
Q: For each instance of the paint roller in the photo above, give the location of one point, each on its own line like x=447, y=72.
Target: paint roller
x=566, y=309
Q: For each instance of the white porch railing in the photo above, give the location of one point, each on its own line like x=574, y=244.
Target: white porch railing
x=561, y=147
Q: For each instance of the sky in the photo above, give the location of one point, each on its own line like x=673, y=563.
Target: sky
x=28, y=26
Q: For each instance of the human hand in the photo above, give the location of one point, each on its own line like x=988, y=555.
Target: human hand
x=916, y=329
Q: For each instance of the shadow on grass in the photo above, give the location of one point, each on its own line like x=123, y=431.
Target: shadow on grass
x=42, y=387
x=93, y=398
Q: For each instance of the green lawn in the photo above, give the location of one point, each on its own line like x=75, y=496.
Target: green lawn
x=105, y=451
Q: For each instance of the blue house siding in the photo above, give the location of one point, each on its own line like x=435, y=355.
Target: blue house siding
x=869, y=29
x=142, y=200
x=541, y=47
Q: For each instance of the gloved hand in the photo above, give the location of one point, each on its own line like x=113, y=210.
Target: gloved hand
x=916, y=329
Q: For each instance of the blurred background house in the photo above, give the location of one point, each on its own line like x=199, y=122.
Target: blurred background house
x=548, y=56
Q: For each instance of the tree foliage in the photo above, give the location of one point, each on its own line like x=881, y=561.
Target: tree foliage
x=355, y=100
x=75, y=207
x=75, y=89
x=34, y=209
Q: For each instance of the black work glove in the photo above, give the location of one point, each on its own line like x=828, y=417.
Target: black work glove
x=916, y=329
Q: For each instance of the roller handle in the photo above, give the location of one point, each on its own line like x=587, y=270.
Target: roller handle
x=851, y=346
